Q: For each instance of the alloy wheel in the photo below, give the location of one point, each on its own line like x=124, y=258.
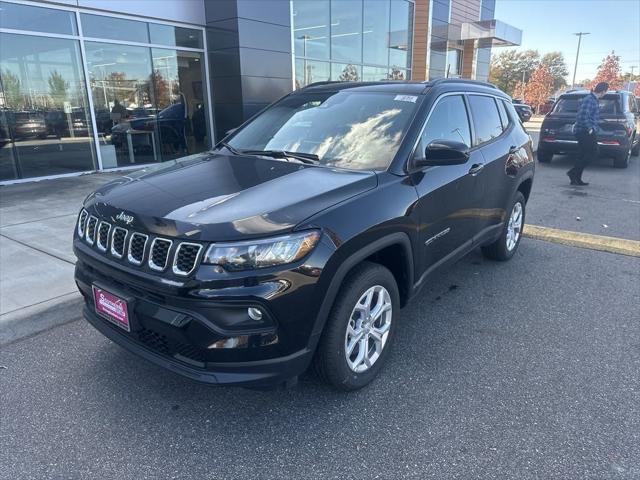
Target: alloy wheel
x=368, y=329
x=514, y=229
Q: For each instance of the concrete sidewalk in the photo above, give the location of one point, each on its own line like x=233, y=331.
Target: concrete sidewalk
x=36, y=258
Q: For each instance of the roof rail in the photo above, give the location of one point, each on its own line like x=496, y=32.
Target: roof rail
x=324, y=82
x=438, y=81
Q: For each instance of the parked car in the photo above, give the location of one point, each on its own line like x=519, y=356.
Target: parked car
x=524, y=111
x=299, y=238
x=27, y=124
x=617, y=136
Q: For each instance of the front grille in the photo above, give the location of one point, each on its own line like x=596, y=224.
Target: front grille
x=136, y=248
x=91, y=230
x=82, y=222
x=118, y=241
x=129, y=246
x=159, y=254
x=186, y=258
x=102, y=240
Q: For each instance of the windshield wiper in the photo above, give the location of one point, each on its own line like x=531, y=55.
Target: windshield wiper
x=233, y=150
x=311, y=158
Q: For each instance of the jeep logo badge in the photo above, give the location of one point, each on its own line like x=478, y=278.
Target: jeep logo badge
x=123, y=217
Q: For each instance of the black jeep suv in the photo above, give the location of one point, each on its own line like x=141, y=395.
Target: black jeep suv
x=299, y=238
x=618, y=135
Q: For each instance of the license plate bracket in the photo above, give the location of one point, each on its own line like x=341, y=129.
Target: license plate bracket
x=113, y=307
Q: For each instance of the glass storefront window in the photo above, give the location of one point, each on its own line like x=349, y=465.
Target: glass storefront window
x=346, y=72
x=376, y=32
x=400, y=33
x=374, y=74
x=346, y=30
x=175, y=36
x=181, y=122
x=45, y=126
x=310, y=71
x=311, y=28
x=120, y=80
x=370, y=40
x=99, y=26
x=37, y=19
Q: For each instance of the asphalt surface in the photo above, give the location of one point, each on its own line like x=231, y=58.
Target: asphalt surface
x=609, y=205
x=528, y=369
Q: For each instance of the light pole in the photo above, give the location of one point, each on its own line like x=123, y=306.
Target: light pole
x=579, y=35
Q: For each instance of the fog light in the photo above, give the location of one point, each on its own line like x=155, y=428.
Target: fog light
x=254, y=313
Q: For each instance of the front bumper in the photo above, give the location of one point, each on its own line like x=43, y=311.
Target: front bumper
x=200, y=328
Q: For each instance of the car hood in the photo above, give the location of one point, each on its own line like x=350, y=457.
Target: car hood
x=215, y=197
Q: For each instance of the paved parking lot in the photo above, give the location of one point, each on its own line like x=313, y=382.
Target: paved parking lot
x=529, y=369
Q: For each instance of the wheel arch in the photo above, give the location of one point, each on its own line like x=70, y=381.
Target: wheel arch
x=381, y=251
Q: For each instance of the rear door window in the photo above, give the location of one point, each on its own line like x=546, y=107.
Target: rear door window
x=486, y=119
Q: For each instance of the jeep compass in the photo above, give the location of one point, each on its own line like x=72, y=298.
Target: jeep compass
x=296, y=241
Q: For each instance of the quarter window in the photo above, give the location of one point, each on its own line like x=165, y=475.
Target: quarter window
x=486, y=119
x=448, y=121
x=504, y=118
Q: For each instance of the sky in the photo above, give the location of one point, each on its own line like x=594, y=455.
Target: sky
x=548, y=25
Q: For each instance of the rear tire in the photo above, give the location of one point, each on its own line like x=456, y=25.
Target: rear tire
x=544, y=156
x=635, y=151
x=621, y=160
x=506, y=245
x=350, y=323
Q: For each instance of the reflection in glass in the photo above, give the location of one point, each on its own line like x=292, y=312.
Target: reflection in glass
x=37, y=19
x=311, y=28
x=175, y=36
x=346, y=30
x=346, y=72
x=357, y=130
x=45, y=126
x=181, y=122
x=114, y=28
x=120, y=79
x=310, y=71
x=374, y=74
x=454, y=62
x=376, y=32
x=400, y=33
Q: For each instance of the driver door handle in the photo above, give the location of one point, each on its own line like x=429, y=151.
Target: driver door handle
x=476, y=168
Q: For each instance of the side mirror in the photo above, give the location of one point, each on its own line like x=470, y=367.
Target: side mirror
x=444, y=152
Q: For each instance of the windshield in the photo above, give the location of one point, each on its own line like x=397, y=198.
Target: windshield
x=356, y=130
x=571, y=105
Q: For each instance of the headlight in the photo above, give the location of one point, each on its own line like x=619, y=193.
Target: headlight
x=262, y=253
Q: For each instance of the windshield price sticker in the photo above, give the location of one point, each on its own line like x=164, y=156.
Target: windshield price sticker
x=406, y=98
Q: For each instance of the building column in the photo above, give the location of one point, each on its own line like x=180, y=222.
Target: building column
x=468, y=54
x=249, y=45
x=420, y=39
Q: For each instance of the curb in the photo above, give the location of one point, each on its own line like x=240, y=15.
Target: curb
x=31, y=320
x=620, y=246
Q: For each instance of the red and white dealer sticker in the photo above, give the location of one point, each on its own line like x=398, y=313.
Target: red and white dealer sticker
x=111, y=307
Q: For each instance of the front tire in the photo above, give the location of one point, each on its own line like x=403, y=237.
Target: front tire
x=360, y=329
x=506, y=245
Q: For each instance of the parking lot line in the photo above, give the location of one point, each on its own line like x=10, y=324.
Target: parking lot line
x=602, y=243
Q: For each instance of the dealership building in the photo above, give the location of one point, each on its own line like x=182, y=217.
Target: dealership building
x=90, y=85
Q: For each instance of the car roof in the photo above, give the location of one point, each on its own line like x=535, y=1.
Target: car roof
x=404, y=87
x=581, y=93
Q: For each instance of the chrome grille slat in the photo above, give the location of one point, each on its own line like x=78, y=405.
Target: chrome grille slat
x=136, y=250
x=185, y=258
x=102, y=238
x=82, y=222
x=90, y=234
x=118, y=241
x=159, y=253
